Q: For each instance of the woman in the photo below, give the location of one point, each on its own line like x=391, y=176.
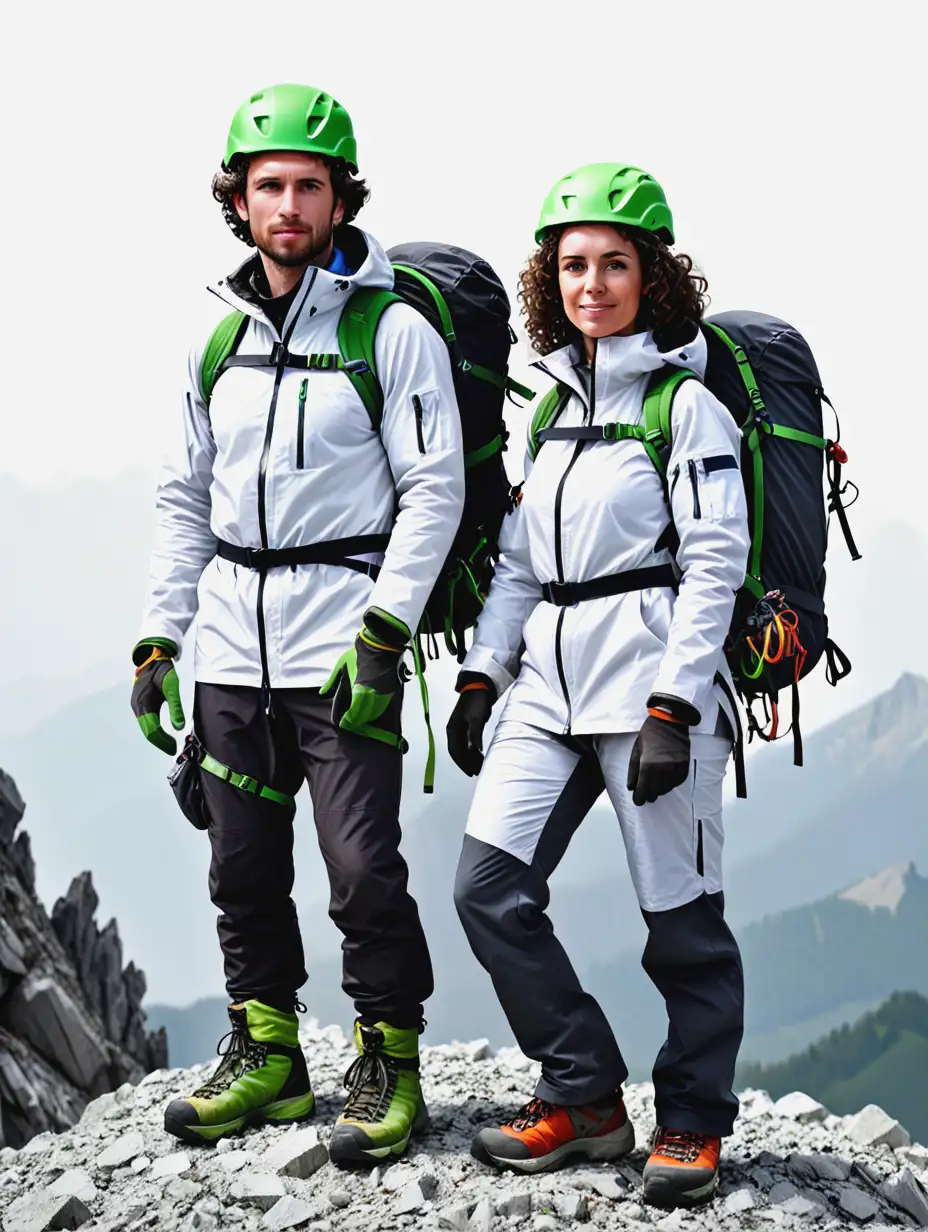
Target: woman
x=613, y=686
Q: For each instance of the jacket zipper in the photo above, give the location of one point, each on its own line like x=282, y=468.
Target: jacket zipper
x=417, y=403
x=559, y=547
x=694, y=483
x=300, y=414
x=262, y=499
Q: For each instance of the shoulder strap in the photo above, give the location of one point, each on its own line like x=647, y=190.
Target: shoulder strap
x=546, y=413
x=357, y=328
x=222, y=343
x=658, y=410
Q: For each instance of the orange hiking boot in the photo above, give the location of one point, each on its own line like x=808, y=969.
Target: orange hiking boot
x=542, y=1136
x=683, y=1169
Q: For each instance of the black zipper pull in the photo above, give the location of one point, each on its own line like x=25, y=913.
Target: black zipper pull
x=417, y=403
x=300, y=414
x=694, y=481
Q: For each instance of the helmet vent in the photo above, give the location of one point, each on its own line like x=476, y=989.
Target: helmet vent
x=322, y=109
x=568, y=199
x=256, y=98
x=263, y=124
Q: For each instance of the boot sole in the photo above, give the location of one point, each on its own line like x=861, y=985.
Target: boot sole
x=284, y=1112
x=346, y=1152
x=609, y=1146
x=660, y=1192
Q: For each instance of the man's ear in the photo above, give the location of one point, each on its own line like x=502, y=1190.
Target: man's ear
x=338, y=213
x=240, y=207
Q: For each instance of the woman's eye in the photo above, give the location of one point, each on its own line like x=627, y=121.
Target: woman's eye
x=620, y=265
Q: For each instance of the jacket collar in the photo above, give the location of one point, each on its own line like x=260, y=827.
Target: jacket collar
x=621, y=361
x=319, y=290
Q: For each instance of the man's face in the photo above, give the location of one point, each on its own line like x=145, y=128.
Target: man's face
x=290, y=206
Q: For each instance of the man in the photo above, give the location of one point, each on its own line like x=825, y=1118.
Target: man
x=326, y=525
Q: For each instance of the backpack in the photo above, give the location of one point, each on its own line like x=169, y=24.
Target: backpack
x=462, y=297
x=763, y=371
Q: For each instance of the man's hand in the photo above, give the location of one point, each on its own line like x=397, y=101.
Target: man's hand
x=366, y=678
x=468, y=720
x=156, y=682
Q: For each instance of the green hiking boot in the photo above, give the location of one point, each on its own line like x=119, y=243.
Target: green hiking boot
x=385, y=1104
x=261, y=1077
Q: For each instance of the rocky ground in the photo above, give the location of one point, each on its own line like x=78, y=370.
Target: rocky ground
x=789, y=1165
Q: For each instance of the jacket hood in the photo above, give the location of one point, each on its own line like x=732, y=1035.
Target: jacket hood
x=329, y=291
x=622, y=360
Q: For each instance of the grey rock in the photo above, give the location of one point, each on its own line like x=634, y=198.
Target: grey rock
x=636, y=1213
x=857, y=1204
x=905, y=1192
x=22, y=861
x=763, y=1178
x=802, y=1207
x=74, y=1182
x=412, y=1198
x=479, y=1050
x=234, y=1161
x=170, y=1165
x=873, y=1127
x=482, y=1218
x=571, y=1206
x=800, y=1107
x=676, y=1221
x=739, y=1200
x=181, y=1190
x=455, y=1217
x=42, y=1212
x=140, y=1163
x=609, y=1187
x=12, y=808
x=782, y=1192
x=289, y=1212
x=339, y=1198
x=120, y=1152
x=297, y=1153
x=518, y=1204
x=544, y=1223
x=398, y=1177
x=257, y=1189
x=42, y=1013
x=818, y=1167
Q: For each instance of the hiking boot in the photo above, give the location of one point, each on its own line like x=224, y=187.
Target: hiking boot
x=385, y=1104
x=683, y=1169
x=261, y=1077
x=542, y=1136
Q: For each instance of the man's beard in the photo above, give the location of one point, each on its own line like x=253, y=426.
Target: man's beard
x=317, y=246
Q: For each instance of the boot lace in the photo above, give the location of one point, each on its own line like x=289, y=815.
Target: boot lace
x=240, y=1056
x=678, y=1145
x=534, y=1111
x=371, y=1081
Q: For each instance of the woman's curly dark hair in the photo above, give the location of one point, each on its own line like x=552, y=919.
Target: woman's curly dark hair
x=673, y=297
x=230, y=182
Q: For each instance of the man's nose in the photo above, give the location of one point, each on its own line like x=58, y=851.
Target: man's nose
x=288, y=203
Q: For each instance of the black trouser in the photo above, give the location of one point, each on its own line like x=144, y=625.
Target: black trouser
x=354, y=784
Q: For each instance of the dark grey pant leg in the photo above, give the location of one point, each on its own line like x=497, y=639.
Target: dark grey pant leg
x=502, y=905
x=693, y=959
x=355, y=785
x=251, y=870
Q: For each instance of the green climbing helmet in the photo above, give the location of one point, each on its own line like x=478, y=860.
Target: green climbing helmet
x=611, y=193
x=292, y=117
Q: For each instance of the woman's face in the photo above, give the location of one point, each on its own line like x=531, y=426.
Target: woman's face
x=599, y=274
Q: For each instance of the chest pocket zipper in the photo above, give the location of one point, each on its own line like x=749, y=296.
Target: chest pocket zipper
x=420, y=439
x=301, y=422
x=694, y=483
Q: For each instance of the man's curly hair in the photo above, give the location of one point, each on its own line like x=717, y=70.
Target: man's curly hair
x=230, y=182
x=673, y=296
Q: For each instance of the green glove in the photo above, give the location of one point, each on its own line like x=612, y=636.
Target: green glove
x=156, y=682
x=366, y=678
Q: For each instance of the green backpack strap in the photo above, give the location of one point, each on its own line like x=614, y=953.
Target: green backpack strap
x=357, y=329
x=546, y=413
x=658, y=409
x=222, y=343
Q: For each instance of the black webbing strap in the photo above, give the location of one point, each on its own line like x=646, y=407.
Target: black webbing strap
x=281, y=357
x=565, y=594
x=741, y=781
x=334, y=552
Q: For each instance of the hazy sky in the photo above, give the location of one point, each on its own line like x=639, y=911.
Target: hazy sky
x=786, y=137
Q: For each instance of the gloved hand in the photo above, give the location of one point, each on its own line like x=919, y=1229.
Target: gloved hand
x=660, y=759
x=366, y=678
x=156, y=682
x=468, y=719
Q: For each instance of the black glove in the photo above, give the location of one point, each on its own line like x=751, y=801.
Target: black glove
x=468, y=719
x=367, y=677
x=660, y=759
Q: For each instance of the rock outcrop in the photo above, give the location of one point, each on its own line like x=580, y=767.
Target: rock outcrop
x=71, y=1023
x=789, y=1165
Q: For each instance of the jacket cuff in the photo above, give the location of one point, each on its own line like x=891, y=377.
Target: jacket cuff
x=143, y=649
x=676, y=707
x=480, y=661
x=386, y=629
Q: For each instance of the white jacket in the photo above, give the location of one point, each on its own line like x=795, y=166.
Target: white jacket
x=233, y=474
x=591, y=667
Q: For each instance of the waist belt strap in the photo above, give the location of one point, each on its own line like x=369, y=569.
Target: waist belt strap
x=334, y=552
x=564, y=594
